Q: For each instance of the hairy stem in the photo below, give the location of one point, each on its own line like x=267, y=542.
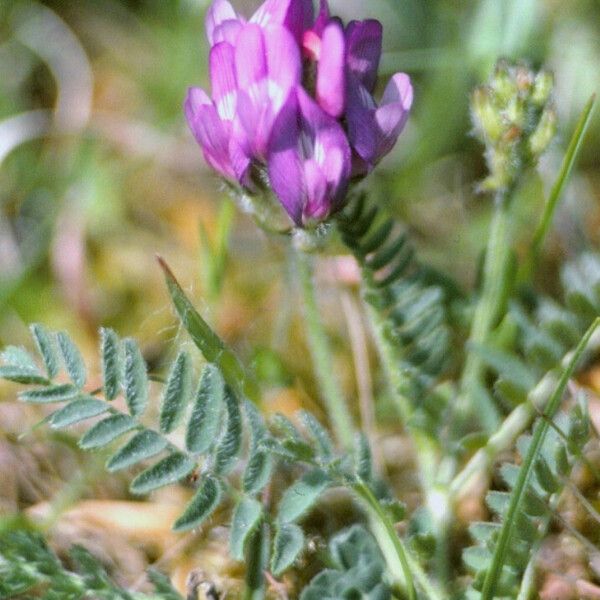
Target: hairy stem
x=487, y=313
x=426, y=448
x=320, y=352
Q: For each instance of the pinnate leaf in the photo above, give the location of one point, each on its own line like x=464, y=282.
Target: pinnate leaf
x=19, y=367
x=318, y=433
x=44, y=342
x=258, y=471
x=72, y=359
x=230, y=442
x=302, y=495
x=111, y=369
x=106, y=431
x=47, y=395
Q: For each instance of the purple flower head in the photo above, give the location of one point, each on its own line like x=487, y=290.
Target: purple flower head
x=310, y=160
x=292, y=97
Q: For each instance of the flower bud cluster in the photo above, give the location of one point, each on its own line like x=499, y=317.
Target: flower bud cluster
x=292, y=109
x=514, y=117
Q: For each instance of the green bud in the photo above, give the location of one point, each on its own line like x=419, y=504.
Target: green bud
x=524, y=79
x=544, y=83
x=486, y=118
x=542, y=136
x=502, y=84
x=515, y=112
x=513, y=120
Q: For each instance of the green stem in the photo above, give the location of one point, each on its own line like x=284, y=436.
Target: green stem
x=390, y=544
x=487, y=313
x=320, y=351
x=545, y=223
x=426, y=448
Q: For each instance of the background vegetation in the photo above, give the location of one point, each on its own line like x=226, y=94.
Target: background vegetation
x=98, y=174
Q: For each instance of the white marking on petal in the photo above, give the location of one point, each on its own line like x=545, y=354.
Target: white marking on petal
x=226, y=105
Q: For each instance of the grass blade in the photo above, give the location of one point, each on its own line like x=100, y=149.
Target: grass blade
x=557, y=190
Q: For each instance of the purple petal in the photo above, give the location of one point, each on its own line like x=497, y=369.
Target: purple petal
x=295, y=15
x=219, y=12
x=259, y=102
x=323, y=18
x=360, y=116
x=250, y=57
x=331, y=79
x=317, y=208
x=255, y=118
x=400, y=90
x=228, y=32
x=223, y=78
x=240, y=159
x=262, y=95
x=322, y=131
x=284, y=163
x=210, y=132
x=196, y=99
x=364, y=41
x=284, y=63
x=325, y=143
x=391, y=117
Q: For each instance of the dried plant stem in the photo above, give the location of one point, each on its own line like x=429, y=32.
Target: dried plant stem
x=364, y=382
x=335, y=403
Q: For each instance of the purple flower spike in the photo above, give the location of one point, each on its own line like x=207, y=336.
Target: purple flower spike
x=310, y=140
x=373, y=131
x=309, y=160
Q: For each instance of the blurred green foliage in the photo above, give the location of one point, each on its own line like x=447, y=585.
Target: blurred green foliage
x=98, y=172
